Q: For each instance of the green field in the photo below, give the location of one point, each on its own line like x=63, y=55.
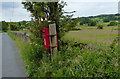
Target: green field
x=92, y=34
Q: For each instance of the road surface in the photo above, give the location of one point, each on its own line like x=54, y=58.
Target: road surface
x=0, y=55
x=12, y=65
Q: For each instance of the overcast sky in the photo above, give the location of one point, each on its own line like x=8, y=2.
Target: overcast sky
x=16, y=12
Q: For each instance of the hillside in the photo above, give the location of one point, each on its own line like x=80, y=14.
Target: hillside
x=108, y=16
x=94, y=20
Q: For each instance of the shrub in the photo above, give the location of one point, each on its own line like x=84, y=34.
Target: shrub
x=106, y=20
x=113, y=23
x=93, y=23
x=76, y=29
x=81, y=23
x=100, y=26
x=4, y=26
x=13, y=27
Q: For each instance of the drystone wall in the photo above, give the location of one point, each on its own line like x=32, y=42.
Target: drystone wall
x=22, y=35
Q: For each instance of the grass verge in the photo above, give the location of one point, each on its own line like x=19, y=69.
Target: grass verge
x=69, y=62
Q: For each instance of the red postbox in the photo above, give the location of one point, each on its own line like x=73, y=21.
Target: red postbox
x=46, y=38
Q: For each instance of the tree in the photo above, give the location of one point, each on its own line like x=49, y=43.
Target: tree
x=44, y=13
x=113, y=23
x=92, y=23
x=0, y=26
x=4, y=26
x=100, y=26
x=14, y=26
x=106, y=20
x=23, y=24
x=81, y=23
x=84, y=20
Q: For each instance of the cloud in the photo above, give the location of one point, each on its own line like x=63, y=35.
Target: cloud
x=7, y=5
x=14, y=11
x=11, y=0
x=119, y=7
x=91, y=0
x=66, y=0
x=91, y=8
x=0, y=10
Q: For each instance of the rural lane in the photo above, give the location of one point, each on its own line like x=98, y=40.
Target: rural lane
x=12, y=65
x=0, y=55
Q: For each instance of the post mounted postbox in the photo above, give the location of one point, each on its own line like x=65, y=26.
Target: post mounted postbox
x=50, y=37
x=46, y=38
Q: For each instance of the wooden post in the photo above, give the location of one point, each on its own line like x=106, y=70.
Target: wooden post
x=53, y=38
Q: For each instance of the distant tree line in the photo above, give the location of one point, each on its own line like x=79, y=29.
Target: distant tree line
x=67, y=22
x=93, y=20
x=13, y=26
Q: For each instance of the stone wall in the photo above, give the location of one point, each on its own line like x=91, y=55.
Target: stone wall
x=22, y=35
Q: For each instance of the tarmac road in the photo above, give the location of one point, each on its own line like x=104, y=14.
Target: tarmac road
x=12, y=65
x=0, y=55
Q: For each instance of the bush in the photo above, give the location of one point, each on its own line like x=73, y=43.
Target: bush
x=113, y=23
x=13, y=27
x=76, y=29
x=93, y=23
x=81, y=23
x=4, y=26
x=100, y=26
x=106, y=20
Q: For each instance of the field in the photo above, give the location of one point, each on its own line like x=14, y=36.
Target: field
x=92, y=34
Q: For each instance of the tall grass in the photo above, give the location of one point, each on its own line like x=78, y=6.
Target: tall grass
x=73, y=62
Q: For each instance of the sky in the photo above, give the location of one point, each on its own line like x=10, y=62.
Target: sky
x=14, y=11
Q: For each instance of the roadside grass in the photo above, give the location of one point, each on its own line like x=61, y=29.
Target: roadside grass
x=2, y=32
x=69, y=61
